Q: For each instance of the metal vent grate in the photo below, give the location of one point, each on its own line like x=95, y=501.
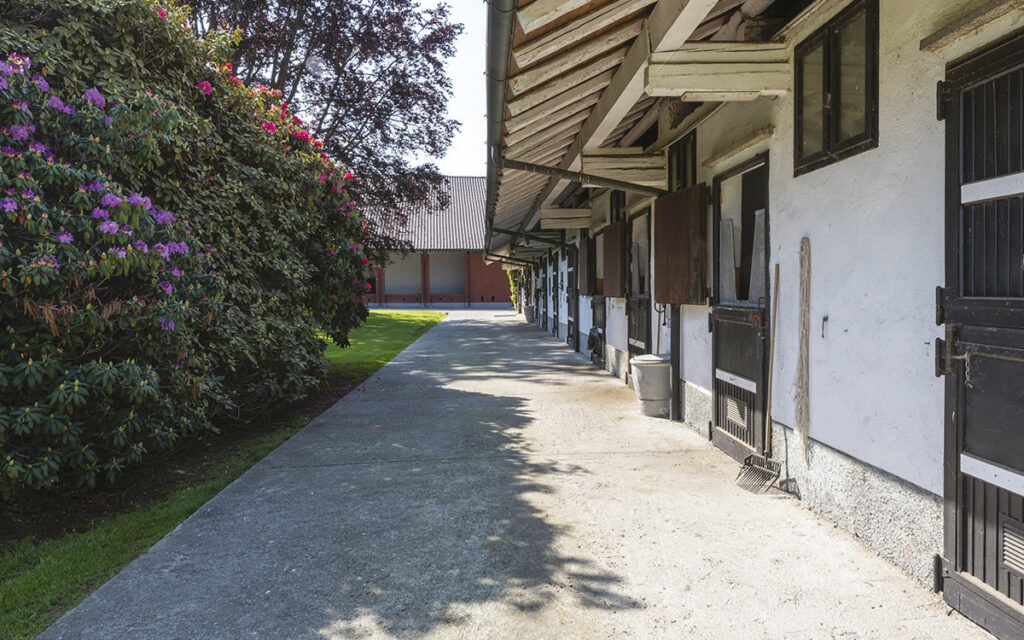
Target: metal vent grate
x=736, y=413
x=1013, y=547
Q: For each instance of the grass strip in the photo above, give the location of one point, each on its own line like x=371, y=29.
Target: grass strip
x=40, y=580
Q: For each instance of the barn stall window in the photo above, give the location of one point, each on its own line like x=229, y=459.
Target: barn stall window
x=836, y=89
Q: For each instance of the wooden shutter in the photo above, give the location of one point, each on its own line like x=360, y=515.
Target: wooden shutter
x=585, y=267
x=614, y=260
x=681, y=247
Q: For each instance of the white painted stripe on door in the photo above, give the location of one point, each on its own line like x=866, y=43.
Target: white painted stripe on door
x=732, y=378
x=639, y=344
x=993, y=188
x=992, y=473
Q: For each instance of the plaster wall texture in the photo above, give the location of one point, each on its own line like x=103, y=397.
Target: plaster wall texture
x=447, y=272
x=616, y=329
x=402, y=277
x=586, y=321
x=876, y=226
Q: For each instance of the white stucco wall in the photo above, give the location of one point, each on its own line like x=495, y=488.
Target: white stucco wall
x=447, y=272
x=402, y=277
x=876, y=226
x=616, y=328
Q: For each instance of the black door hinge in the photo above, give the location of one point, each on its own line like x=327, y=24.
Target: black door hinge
x=711, y=323
x=940, y=357
x=940, y=309
x=941, y=89
x=944, y=351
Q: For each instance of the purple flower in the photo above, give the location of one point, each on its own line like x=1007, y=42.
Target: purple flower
x=92, y=96
x=164, y=217
x=64, y=237
x=38, y=146
x=110, y=201
x=107, y=120
x=120, y=251
x=95, y=185
x=125, y=229
x=20, y=105
x=6, y=69
x=147, y=203
x=3, y=82
x=135, y=199
x=176, y=272
x=177, y=247
x=141, y=246
x=166, y=286
x=109, y=227
x=22, y=62
x=9, y=204
x=42, y=83
x=162, y=249
x=165, y=324
x=100, y=213
x=18, y=132
x=28, y=194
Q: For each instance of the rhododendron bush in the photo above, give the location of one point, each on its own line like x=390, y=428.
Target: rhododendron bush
x=171, y=241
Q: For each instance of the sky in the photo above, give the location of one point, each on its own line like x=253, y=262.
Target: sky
x=467, y=156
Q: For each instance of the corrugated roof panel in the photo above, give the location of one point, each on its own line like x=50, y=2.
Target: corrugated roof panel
x=459, y=227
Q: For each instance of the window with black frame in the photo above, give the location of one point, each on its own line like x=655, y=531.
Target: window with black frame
x=836, y=89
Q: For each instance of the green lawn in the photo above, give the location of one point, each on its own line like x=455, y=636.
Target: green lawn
x=40, y=580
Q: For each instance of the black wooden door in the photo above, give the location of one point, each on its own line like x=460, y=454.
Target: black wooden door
x=739, y=315
x=572, y=298
x=556, y=293
x=638, y=283
x=982, y=354
x=542, y=296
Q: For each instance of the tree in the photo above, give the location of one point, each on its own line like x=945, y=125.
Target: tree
x=368, y=75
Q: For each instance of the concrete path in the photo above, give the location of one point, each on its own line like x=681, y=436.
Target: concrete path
x=488, y=483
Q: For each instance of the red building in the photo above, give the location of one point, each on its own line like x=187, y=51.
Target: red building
x=446, y=266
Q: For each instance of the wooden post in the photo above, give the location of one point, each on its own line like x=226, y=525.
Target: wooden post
x=465, y=287
x=425, y=277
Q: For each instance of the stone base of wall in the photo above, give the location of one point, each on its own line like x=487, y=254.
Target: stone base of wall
x=900, y=521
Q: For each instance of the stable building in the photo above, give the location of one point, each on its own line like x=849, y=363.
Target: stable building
x=815, y=210
x=446, y=266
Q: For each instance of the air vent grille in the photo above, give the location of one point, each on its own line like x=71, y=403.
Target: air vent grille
x=1013, y=547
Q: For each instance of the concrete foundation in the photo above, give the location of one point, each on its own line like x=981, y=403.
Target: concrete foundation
x=900, y=521
x=616, y=362
x=697, y=408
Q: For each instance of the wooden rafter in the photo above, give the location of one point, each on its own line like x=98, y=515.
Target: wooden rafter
x=544, y=12
x=576, y=56
x=577, y=31
x=721, y=70
x=553, y=110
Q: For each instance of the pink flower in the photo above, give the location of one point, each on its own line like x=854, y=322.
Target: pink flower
x=349, y=175
x=269, y=127
x=162, y=12
x=205, y=87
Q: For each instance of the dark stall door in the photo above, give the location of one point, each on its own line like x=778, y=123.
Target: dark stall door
x=982, y=354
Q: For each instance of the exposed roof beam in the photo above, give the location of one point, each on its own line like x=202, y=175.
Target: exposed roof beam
x=530, y=95
x=526, y=138
x=642, y=125
x=554, y=110
x=576, y=56
x=670, y=24
x=543, y=12
x=718, y=69
x=577, y=31
x=584, y=179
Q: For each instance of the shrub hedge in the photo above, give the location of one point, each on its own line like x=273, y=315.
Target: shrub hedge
x=172, y=241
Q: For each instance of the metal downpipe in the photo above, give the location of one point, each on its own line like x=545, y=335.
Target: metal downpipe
x=500, y=14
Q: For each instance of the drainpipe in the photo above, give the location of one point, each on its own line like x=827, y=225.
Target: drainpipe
x=500, y=14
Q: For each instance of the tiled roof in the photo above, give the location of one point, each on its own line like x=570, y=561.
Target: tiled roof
x=459, y=227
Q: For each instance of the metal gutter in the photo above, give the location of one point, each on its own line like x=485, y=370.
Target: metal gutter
x=500, y=14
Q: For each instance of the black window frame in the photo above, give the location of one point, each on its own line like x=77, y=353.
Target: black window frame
x=833, y=150
x=617, y=206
